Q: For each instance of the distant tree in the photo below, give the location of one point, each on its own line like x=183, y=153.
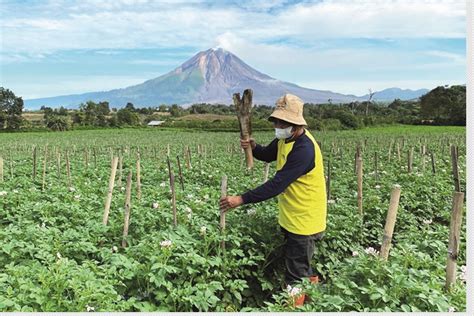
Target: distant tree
x=127, y=117
x=130, y=107
x=163, y=108
x=11, y=108
x=57, y=119
x=445, y=105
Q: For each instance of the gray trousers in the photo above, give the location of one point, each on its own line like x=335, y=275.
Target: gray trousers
x=298, y=251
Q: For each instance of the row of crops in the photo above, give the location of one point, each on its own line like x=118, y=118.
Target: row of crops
x=57, y=255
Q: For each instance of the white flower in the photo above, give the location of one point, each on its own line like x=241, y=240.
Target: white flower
x=2, y=193
x=451, y=309
x=162, y=184
x=293, y=291
x=371, y=173
x=99, y=179
x=189, y=216
x=355, y=253
x=155, y=205
x=90, y=308
x=203, y=230
x=58, y=255
x=377, y=186
x=462, y=275
x=188, y=209
x=77, y=196
x=384, y=172
x=15, y=191
x=189, y=196
x=206, y=197
x=122, y=189
x=165, y=244
x=331, y=202
x=114, y=249
x=251, y=211
x=427, y=221
x=43, y=225
x=371, y=251
x=72, y=189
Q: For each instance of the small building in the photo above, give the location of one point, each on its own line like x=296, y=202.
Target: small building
x=155, y=123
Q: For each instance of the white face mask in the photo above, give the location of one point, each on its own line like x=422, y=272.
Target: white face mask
x=283, y=133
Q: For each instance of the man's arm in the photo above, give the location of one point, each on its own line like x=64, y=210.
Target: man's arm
x=299, y=162
x=266, y=153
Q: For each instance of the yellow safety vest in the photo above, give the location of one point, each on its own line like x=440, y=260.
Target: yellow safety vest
x=303, y=205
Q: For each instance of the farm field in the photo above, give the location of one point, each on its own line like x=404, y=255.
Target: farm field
x=57, y=255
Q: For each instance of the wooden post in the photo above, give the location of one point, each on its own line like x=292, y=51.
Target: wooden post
x=11, y=166
x=454, y=161
x=189, y=156
x=376, y=167
x=34, y=163
x=45, y=161
x=173, y=200
x=410, y=160
x=390, y=151
x=398, y=151
x=58, y=164
x=359, y=185
x=243, y=107
x=139, y=183
x=68, y=169
x=390, y=222
x=128, y=207
x=120, y=166
x=222, y=218
x=95, y=157
x=1, y=169
x=432, y=162
x=454, y=238
x=423, y=154
x=168, y=149
x=108, y=199
x=265, y=172
x=180, y=173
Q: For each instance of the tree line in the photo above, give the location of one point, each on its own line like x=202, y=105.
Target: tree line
x=441, y=106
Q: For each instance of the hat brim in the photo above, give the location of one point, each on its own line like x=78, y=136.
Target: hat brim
x=287, y=117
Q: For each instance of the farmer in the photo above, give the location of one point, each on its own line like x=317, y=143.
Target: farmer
x=299, y=184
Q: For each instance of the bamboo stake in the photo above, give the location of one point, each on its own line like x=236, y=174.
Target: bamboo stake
x=243, y=107
x=180, y=173
x=45, y=161
x=108, y=199
x=423, y=158
x=376, y=168
x=86, y=158
x=189, y=156
x=390, y=222
x=432, y=162
x=128, y=207
x=410, y=160
x=173, y=200
x=11, y=166
x=454, y=238
x=398, y=152
x=58, y=164
x=68, y=169
x=222, y=218
x=265, y=172
x=359, y=185
x=454, y=161
x=120, y=166
x=139, y=183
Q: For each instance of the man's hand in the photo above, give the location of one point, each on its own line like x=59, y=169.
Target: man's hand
x=246, y=143
x=229, y=202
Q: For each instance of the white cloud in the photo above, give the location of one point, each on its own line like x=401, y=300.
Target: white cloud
x=141, y=24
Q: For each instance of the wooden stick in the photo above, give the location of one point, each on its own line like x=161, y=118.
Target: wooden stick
x=454, y=238
x=58, y=163
x=423, y=158
x=95, y=157
x=376, y=167
x=68, y=169
x=410, y=160
x=86, y=158
x=432, y=162
x=120, y=166
x=128, y=207
x=180, y=173
x=222, y=218
x=45, y=161
x=11, y=166
x=398, y=151
x=243, y=108
x=108, y=199
x=454, y=161
x=173, y=200
x=390, y=222
x=265, y=172
x=139, y=183
x=359, y=185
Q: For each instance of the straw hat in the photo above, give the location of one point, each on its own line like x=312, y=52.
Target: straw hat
x=289, y=108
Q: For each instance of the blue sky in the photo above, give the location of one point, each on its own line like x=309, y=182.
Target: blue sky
x=58, y=47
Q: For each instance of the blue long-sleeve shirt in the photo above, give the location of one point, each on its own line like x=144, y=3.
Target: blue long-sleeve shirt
x=299, y=161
